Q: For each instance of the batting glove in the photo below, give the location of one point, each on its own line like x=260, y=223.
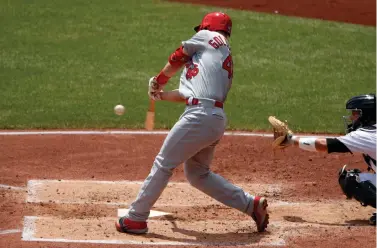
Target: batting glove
x=154, y=89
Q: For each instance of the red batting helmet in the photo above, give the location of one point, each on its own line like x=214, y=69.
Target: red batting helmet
x=216, y=21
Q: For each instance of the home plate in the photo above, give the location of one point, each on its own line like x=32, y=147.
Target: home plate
x=123, y=211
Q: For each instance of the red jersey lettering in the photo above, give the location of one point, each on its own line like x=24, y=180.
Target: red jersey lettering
x=217, y=42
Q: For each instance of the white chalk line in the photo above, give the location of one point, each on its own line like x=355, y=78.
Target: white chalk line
x=153, y=213
x=28, y=231
x=159, y=205
x=81, y=132
x=28, y=234
x=10, y=231
x=35, y=182
x=118, y=242
x=133, y=132
x=131, y=242
x=4, y=186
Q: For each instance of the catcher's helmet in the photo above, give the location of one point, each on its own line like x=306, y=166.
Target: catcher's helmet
x=365, y=108
x=216, y=21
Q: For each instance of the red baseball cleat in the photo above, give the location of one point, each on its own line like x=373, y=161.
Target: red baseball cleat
x=125, y=225
x=260, y=215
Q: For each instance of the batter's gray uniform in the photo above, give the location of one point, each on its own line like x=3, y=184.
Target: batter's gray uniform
x=193, y=138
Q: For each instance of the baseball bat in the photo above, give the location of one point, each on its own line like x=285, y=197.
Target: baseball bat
x=149, y=120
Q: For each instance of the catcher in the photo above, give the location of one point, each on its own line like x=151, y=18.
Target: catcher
x=360, y=138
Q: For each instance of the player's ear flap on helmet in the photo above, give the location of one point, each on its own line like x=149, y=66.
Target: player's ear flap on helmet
x=216, y=21
x=365, y=105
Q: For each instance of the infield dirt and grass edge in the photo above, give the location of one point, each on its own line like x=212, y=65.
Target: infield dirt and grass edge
x=67, y=64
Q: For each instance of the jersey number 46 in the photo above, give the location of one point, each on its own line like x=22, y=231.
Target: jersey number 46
x=228, y=66
x=193, y=70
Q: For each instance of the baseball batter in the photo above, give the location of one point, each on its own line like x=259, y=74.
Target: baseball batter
x=360, y=139
x=204, y=84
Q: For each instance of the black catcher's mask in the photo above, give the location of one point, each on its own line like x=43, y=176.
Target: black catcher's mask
x=363, y=110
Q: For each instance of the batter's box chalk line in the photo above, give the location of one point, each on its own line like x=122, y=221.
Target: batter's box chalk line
x=154, y=213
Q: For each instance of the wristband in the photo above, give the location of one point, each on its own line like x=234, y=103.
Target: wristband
x=162, y=79
x=307, y=144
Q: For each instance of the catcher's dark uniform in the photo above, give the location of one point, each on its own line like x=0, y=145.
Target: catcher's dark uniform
x=361, y=141
x=361, y=138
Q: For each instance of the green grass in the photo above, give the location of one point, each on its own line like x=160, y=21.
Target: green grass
x=66, y=64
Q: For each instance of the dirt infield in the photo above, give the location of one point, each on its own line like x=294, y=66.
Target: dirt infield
x=64, y=191
x=351, y=11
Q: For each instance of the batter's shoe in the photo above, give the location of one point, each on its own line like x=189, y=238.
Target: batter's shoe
x=125, y=225
x=260, y=215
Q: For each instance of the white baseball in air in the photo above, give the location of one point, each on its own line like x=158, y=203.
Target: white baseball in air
x=119, y=109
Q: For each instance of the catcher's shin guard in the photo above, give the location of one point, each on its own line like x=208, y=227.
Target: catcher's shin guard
x=364, y=192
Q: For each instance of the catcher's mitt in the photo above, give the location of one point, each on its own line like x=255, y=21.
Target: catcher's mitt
x=282, y=133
